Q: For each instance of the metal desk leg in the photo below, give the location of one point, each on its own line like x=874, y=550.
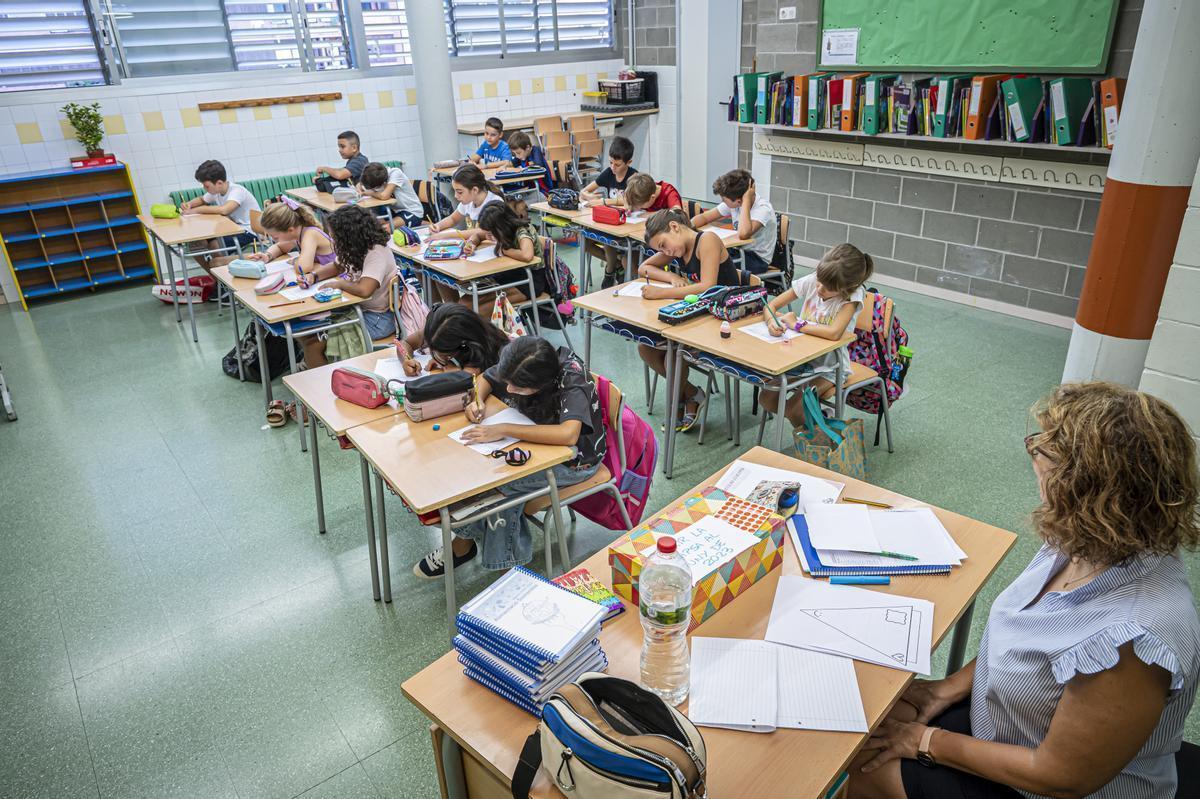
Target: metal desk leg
x=839, y=396
x=448, y=560
x=237, y=341
x=188, y=298
x=475, y=297
x=171, y=280
x=316, y=465
x=564, y=556
x=385, y=572
x=737, y=412
x=780, y=416
x=674, y=367
x=958, y=641
x=260, y=334
x=630, y=271
x=366, y=487
x=291, y=347
x=586, y=318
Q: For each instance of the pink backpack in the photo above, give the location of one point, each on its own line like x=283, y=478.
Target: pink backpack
x=413, y=310
x=641, y=456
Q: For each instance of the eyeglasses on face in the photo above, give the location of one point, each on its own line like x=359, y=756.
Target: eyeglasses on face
x=1034, y=451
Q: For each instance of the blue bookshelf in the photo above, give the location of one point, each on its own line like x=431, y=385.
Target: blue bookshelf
x=65, y=231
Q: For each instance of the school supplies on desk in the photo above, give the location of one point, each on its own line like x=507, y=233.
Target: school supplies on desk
x=634, y=288
x=890, y=630
x=745, y=479
x=483, y=254
x=506, y=416
x=270, y=284
x=254, y=270
x=912, y=535
x=582, y=582
x=528, y=172
x=760, y=686
x=443, y=250
x=760, y=331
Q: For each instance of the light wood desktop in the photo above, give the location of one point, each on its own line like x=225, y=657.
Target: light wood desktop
x=479, y=735
x=173, y=234
x=526, y=123
x=461, y=270
x=444, y=174
x=431, y=471
x=323, y=201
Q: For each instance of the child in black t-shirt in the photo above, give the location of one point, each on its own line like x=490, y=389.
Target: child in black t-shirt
x=609, y=189
x=551, y=387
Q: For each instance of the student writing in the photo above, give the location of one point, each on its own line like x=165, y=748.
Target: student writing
x=226, y=198
x=516, y=239
x=457, y=338
x=830, y=299
x=644, y=193
x=551, y=387
x=390, y=183
x=292, y=226
x=527, y=154
x=348, y=148
x=753, y=218
x=473, y=192
x=609, y=189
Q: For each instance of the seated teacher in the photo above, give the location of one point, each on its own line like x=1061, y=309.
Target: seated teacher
x=1089, y=662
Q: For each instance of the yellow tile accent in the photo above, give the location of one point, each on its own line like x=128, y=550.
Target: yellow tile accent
x=490, y=89
x=357, y=103
x=560, y=83
x=410, y=96
x=29, y=132
x=114, y=124
x=466, y=91
x=601, y=76
x=386, y=100
x=295, y=110
x=153, y=120
x=514, y=87
x=581, y=81
x=68, y=130
x=539, y=85
x=191, y=117
x=227, y=116
x=326, y=107
x=262, y=112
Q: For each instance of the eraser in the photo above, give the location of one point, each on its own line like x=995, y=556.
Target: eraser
x=437, y=427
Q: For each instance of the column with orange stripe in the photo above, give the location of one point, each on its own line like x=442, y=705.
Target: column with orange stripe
x=1145, y=196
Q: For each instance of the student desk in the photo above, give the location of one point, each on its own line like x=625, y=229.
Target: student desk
x=763, y=362
x=477, y=735
x=431, y=471
x=445, y=173
x=175, y=234
x=460, y=272
x=325, y=204
x=526, y=123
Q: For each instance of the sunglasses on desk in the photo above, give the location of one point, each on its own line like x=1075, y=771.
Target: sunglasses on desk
x=513, y=457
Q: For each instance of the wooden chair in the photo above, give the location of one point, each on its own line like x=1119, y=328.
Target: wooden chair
x=693, y=208
x=256, y=224
x=860, y=376
x=587, y=134
x=581, y=122
x=544, y=125
x=556, y=138
x=587, y=159
x=394, y=308
x=562, y=163
x=601, y=481
x=426, y=191
x=548, y=256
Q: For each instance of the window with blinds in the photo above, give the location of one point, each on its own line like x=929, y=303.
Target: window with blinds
x=582, y=23
x=387, y=33
x=279, y=34
x=169, y=37
x=47, y=45
x=505, y=27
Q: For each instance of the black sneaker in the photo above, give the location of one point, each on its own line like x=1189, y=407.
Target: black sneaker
x=610, y=280
x=433, y=565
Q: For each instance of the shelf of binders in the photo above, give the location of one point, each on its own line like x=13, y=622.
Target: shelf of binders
x=64, y=231
x=935, y=140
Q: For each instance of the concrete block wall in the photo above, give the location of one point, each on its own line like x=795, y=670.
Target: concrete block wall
x=654, y=31
x=1172, y=369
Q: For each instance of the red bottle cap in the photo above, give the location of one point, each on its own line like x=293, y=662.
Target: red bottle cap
x=666, y=545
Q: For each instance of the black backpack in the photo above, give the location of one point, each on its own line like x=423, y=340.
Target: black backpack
x=277, y=356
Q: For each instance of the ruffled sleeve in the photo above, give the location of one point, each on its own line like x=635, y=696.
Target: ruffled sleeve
x=1100, y=652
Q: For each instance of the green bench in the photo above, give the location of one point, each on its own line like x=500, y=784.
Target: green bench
x=263, y=189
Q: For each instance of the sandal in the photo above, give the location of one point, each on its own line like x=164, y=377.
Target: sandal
x=689, y=419
x=276, y=414
x=293, y=412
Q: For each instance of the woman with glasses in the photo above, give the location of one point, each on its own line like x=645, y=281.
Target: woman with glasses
x=1089, y=662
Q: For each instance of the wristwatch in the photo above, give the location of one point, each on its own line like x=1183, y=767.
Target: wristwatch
x=800, y=325
x=923, y=755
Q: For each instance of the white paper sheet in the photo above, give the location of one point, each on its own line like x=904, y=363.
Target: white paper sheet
x=843, y=526
x=724, y=232
x=839, y=46
x=297, y=293
x=742, y=477
x=281, y=265
x=636, y=216
x=506, y=416
x=759, y=330
x=391, y=369
x=911, y=531
x=759, y=686
x=634, y=288
x=483, y=254
x=711, y=543
x=893, y=631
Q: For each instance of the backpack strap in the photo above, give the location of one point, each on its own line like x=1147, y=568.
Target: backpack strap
x=815, y=420
x=527, y=766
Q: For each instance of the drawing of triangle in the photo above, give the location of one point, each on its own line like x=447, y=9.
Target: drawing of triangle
x=889, y=627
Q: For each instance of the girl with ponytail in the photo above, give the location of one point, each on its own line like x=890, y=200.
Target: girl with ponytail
x=292, y=226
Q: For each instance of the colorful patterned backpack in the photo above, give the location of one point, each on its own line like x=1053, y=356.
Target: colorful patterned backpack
x=878, y=349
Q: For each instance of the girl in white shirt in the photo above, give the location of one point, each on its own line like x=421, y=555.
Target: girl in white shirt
x=473, y=192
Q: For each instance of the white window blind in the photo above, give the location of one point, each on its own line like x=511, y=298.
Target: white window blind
x=387, y=32
x=170, y=37
x=325, y=35
x=583, y=23
x=47, y=45
x=475, y=27
x=503, y=27
x=277, y=34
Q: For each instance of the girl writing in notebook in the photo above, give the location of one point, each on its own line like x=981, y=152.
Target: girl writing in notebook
x=515, y=239
x=292, y=226
x=700, y=262
x=457, y=338
x=473, y=192
x=548, y=385
x=830, y=300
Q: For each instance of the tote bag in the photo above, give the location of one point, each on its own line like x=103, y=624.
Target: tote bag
x=505, y=317
x=834, y=444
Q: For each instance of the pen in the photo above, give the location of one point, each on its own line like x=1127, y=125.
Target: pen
x=870, y=502
x=863, y=580
x=897, y=555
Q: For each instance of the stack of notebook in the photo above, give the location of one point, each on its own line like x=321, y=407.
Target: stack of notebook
x=847, y=540
x=525, y=637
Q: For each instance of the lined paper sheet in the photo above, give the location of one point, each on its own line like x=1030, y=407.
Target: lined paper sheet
x=483, y=254
x=506, y=416
x=759, y=331
x=913, y=531
x=818, y=691
x=842, y=526
x=634, y=288
x=733, y=684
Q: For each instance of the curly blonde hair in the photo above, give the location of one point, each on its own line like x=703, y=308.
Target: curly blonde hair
x=1122, y=479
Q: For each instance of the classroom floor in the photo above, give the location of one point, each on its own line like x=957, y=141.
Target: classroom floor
x=174, y=626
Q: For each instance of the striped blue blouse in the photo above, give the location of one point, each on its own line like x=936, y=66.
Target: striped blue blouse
x=1030, y=651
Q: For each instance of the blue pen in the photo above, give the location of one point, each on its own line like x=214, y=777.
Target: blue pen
x=860, y=580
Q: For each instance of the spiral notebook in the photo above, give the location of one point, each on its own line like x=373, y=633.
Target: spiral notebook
x=534, y=617
x=811, y=560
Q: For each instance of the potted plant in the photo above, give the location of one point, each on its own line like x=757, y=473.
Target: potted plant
x=89, y=126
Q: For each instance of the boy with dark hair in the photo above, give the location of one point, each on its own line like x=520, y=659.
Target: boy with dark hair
x=390, y=183
x=221, y=196
x=609, y=189
x=493, y=150
x=753, y=218
x=348, y=148
x=526, y=154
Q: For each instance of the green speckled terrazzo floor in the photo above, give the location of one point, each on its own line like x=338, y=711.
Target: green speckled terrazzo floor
x=173, y=626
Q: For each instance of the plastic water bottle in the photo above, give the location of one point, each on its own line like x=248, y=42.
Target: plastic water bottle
x=665, y=605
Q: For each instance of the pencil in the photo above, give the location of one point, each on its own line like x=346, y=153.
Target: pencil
x=897, y=555
x=872, y=503
x=282, y=304
x=771, y=311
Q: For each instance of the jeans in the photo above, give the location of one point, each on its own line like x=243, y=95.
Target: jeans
x=504, y=538
x=753, y=262
x=379, y=324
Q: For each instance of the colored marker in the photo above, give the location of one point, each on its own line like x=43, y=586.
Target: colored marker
x=898, y=555
x=864, y=580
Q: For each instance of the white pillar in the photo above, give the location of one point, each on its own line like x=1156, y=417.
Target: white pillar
x=431, y=73
x=707, y=54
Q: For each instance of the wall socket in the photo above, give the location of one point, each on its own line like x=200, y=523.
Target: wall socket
x=787, y=12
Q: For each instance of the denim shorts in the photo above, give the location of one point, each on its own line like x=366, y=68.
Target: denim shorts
x=380, y=324
x=243, y=240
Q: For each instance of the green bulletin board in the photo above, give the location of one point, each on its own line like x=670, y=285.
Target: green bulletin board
x=975, y=35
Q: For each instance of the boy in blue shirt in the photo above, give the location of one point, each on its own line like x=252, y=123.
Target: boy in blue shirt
x=494, y=150
x=526, y=154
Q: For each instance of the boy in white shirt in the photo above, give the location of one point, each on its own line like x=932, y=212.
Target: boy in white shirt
x=390, y=183
x=221, y=196
x=753, y=218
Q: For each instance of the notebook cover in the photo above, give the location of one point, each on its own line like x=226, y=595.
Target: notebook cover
x=583, y=582
x=818, y=569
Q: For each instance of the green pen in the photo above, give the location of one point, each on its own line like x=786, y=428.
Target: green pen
x=898, y=555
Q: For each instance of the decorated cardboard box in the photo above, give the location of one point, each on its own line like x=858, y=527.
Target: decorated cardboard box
x=725, y=581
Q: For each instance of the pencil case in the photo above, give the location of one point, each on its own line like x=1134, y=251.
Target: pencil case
x=164, y=211
x=360, y=387
x=607, y=215
x=437, y=395
x=240, y=267
x=733, y=304
x=270, y=284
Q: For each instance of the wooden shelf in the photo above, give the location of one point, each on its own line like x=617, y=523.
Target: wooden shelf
x=928, y=140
